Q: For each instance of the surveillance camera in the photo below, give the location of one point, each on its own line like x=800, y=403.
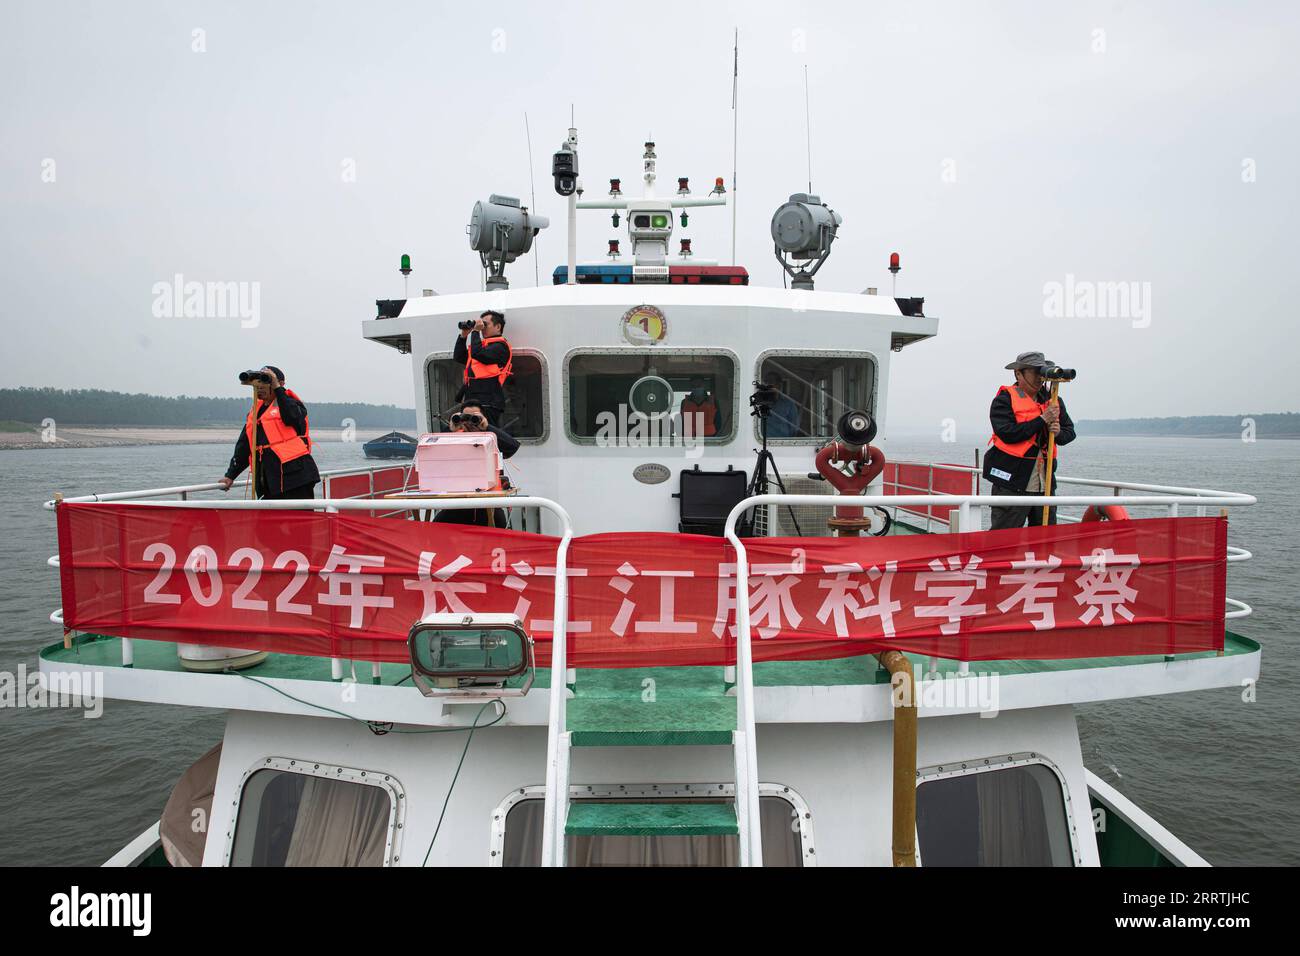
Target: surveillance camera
x=564, y=167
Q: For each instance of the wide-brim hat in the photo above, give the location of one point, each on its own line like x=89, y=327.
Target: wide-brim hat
x=1029, y=360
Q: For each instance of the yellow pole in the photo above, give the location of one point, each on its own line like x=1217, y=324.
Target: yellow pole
x=1051, y=452
x=904, y=829
x=252, y=451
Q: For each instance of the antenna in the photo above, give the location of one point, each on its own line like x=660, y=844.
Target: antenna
x=532, y=192
x=807, y=114
x=735, y=132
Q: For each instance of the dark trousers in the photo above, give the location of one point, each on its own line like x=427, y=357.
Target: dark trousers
x=301, y=492
x=1018, y=517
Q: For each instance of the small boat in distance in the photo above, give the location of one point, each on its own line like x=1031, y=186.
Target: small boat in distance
x=392, y=445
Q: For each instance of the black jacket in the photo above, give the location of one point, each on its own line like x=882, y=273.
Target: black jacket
x=1008, y=471
x=487, y=390
x=274, y=478
x=507, y=444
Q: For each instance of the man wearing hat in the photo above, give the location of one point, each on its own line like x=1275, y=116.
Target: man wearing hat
x=277, y=424
x=1022, y=420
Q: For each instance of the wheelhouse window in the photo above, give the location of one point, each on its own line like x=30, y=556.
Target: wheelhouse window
x=1013, y=816
x=287, y=818
x=651, y=396
x=524, y=416
x=816, y=387
x=782, y=841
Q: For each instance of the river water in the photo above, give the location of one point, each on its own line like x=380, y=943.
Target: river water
x=1219, y=771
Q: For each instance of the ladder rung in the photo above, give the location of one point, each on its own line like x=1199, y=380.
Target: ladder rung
x=626, y=818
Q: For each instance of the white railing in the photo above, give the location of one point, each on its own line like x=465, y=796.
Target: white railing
x=1204, y=497
x=183, y=492
x=969, y=509
x=556, y=755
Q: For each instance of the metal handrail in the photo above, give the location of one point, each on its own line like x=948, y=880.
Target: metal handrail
x=207, y=486
x=1098, y=483
x=553, y=832
x=1244, y=609
x=962, y=504
x=1203, y=496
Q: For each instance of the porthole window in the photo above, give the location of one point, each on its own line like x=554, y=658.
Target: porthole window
x=1009, y=815
x=786, y=823
x=293, y=813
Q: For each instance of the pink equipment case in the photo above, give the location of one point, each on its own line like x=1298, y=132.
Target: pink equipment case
x=458, y=462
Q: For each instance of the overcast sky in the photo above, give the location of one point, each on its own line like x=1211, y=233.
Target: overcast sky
x=998, y=147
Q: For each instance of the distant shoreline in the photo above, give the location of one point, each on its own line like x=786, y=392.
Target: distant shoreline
x=96, y=436
x=1095, y=433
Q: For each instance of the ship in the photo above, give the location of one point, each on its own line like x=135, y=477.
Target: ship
x=718, y=629
x=391, y=445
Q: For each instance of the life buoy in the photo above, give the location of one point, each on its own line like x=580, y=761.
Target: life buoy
x=1105, y=513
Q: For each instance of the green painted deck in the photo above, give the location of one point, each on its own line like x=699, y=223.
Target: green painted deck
x=626, y=684
x=625, y=818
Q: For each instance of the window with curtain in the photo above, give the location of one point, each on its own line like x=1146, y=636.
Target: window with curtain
x=782, y=844
x=295, y=819
x=1009, y=817
x=524, y=416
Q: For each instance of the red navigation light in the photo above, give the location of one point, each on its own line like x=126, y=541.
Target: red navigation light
x=613, y=248
x=718, y=187
x=686, y=247
x=683, y=185
x=893, y=263
x=614, y=187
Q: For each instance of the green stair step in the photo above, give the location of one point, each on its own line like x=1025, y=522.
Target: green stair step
x=630, y=682
x=626, y=818
x=667, y=722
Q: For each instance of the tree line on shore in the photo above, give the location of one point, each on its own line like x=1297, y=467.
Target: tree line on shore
x=93, y=406
x=1267, y=425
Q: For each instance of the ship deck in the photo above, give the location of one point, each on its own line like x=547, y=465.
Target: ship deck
x=850, y=689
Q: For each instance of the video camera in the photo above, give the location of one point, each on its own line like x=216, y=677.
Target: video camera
x=764, y=398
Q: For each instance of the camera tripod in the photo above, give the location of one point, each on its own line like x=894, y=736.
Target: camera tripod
x=758, y=485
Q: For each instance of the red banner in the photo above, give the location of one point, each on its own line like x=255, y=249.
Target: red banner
x=350, y=586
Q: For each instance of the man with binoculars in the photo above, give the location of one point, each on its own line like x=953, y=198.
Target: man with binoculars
x=483, y=350
x=1023, y=416
x=472, y=417
x=275, y=441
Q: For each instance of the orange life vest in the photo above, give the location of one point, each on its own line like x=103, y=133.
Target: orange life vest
x=476, y=369
x=1026, y=409
x=708, y=412
x=280, y=438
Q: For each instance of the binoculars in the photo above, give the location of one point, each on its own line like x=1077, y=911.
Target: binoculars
x=1054, y=373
